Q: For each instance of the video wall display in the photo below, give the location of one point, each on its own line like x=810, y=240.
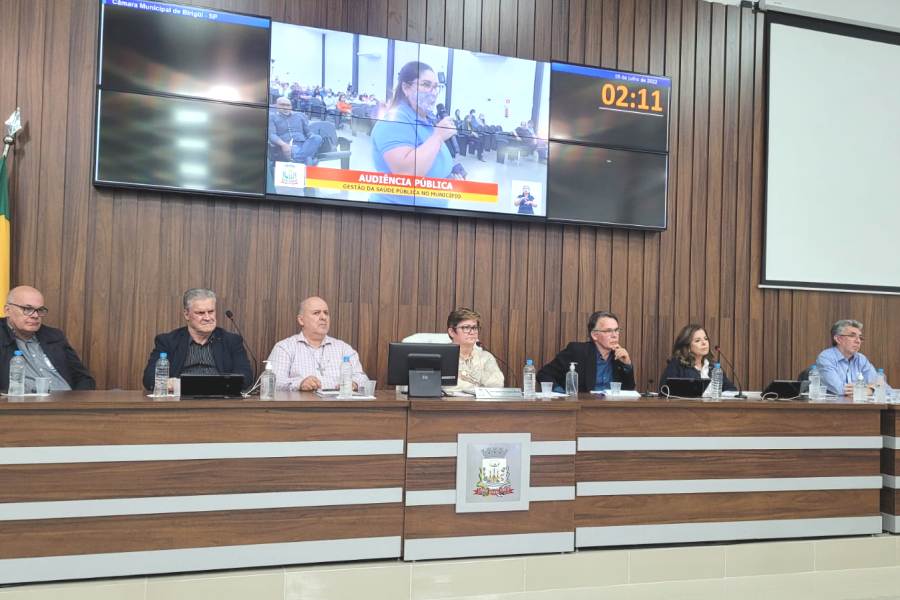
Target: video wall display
x=202, y=100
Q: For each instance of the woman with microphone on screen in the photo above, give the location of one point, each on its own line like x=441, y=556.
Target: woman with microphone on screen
x=691, y=358
x=410, y=139
x=477, y=366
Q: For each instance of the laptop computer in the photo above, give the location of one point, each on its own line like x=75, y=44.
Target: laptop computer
x=212, y=386
x=684, y=387
x=784, y=389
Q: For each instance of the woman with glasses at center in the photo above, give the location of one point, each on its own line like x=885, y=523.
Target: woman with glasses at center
x=477, y=367
x=691, y=358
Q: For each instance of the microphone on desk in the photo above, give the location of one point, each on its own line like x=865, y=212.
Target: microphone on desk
x=502, y=362
x=230, y=316
x=740, y=388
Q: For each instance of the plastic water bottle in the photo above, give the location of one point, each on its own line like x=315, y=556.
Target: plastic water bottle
x=859, y=389
x=528, y=379
x=161, y=378
x=267, y=383
x=880, y=387
x=815, y=384
x=572, y=381
x=345, y=389
x=17, y=374
x=715, y=386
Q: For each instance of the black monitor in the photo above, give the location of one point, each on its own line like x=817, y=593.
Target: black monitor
x=423, y=367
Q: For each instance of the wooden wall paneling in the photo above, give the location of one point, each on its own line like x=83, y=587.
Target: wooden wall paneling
x=446, y=272
x=683, y=157
x=378, y=18
x=106, y=256
x=526, y=45
x=453, y=25
x=758, y=305
x=559, y=28
x=410, y=277
x=570, y=329
x=427, y=318
x=744, y=191
x=471, y=26
x=77, y=159
x=388, y=294
x=435, y=17
x=553, y=291
x=53, y=116
x=495, y=332
x=591, y=272
x=483, y=271
x=534, y=310
x=579, y=23
x=729, y=22
x=29, y=149
x=719, y=230
x=465, y=262
x=508, y=15
x=490, y=26
x=519, y=280
x=699, y=199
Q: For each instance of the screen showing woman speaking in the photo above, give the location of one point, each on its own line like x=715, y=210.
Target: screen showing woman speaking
x=368, y=119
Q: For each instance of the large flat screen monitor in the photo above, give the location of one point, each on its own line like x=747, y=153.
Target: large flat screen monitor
x=405, y=356
x=362, y=119
x=601, y=185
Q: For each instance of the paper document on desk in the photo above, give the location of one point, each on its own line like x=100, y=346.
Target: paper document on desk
x=482, y=393
x=625, y=394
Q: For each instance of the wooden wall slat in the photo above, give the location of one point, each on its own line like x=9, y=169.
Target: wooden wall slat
x=105, y=257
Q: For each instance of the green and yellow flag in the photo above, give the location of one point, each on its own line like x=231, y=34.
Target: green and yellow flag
x=5, y=265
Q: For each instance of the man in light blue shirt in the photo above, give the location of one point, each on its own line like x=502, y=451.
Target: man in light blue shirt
x=841, y=364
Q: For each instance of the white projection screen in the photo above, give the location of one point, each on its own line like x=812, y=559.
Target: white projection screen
x=833, y=157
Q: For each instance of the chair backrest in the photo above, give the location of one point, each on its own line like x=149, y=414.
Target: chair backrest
x=428, y=338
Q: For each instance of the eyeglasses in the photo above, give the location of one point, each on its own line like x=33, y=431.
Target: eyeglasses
x=468, y=328
x=852, y=336
x=28, y=311
x=430, y=86
x=607, y=331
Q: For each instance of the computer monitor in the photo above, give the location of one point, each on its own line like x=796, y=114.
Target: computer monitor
x=423, y=367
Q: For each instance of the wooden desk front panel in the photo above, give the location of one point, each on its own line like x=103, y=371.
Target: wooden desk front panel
x=701, y=472
x=433, y=528
x=197, y=486
x=890, y=469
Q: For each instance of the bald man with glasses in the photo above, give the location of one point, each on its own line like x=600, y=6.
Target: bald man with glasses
x=46, y=350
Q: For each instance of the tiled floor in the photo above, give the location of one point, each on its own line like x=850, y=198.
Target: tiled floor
x=866, y=568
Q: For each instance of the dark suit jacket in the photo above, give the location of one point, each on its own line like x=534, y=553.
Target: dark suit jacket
x=675, y=369
x=585, y=357
x=227, y=350
x=56, y=347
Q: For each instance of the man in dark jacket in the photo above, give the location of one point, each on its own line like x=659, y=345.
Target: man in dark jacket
x=597, y=361
x=46, y=350
x=200, y=348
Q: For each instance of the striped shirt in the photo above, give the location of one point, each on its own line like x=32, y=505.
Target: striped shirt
x=294, y=359
x=199, y=360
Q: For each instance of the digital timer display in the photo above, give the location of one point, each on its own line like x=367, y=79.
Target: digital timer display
x=614, y=109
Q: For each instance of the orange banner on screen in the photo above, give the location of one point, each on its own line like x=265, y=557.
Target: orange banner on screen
x=374, y=182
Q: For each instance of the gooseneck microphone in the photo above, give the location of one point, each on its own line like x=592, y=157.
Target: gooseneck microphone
x=230, y=316
x=740, y=388
x=502, y=362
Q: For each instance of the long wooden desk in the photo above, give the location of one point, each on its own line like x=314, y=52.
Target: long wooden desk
x=98, y=484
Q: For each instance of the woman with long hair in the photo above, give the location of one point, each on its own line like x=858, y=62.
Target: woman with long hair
x=691, y=358
x=409, y=140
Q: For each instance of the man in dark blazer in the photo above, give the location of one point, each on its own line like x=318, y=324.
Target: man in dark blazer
x=597, y=361
x=46, y=350
x=201, y=347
